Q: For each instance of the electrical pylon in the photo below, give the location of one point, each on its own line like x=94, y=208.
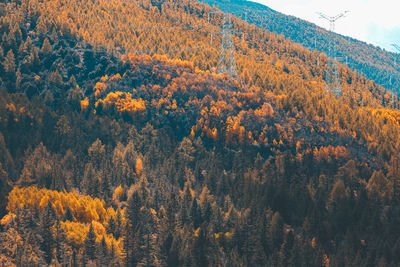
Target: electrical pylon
x=227, y=62
x=397, y=47
x=332, y=79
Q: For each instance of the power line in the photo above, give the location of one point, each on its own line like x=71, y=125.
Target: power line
x=397, y=47
x=226, y=62
x=332, y=79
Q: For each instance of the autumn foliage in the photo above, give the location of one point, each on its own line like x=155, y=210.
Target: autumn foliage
x=122, y=102
x=84, y=208
x=155, y=160
x=85, y=211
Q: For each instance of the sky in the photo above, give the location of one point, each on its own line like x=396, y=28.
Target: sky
x=373, y=21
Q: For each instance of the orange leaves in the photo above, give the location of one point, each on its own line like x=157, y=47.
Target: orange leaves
x=204, y=112
x=135, y=58
x=182, y=63
x=234, y=131
x=223, y=235
x=84, y=208
x=265, y=111
x=325, y=261
x=215, y=107
x=11, y=107
x=212, y=133
x=139, y=166
x=99, y=89
x=214, y=111
x=327, y=153
x=341, y=152
x=7, y=219
x=123, y=102
x=84, y=104
x=314, y=242
x=104, y=78
x=76, y=233
x=172, y=106
x=298, y=146
x=119, y=191
x=390, y=115
x=115, y=77
x=278, y=66
x=278, y=99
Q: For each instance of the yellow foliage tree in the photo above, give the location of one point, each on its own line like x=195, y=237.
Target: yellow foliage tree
x=84, y=208
x=139, y=166
x=84, y=104
x=123, y=102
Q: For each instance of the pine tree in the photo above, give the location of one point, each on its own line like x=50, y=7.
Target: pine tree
x=46, y=47
x=68, y=216
x=131, y=228
x=62, y=251
x=102, y=254
x=9, y=62
x=118, y=225
x=47, y=219
x=275, y=231
x=195, y=214
x=200, y=245
x=89, y=245
x=286, y=249
x=18, y=80
x=97, y=154
x=4, y=189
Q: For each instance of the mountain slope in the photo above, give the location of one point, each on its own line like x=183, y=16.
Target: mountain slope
x=265, y=60
x=168, y=164
x=375, y=63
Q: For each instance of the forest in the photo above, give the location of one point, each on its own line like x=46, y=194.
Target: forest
x=121, y=146
x=374, y=62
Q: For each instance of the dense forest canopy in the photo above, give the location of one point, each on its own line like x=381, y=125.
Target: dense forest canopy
x=110, y=155
x=374, y=62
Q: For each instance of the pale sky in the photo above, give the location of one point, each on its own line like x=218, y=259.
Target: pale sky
x=372, y=21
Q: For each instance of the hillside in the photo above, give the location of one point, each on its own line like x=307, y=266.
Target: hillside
x=265, y=60
x=114, y=157
x=373, y=62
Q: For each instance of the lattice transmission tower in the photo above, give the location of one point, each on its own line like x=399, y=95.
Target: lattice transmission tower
x=397, y=47
x=332, y=79
x=227, y=62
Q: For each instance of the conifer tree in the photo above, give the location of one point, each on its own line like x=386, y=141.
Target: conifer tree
x=102, y=254
x=9, y=62
x=131, y=229
x=47, y=220
x=46, y=47
x=89, y=245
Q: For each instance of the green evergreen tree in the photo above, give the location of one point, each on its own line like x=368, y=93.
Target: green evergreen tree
x=47, y=220
x=89, y=246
